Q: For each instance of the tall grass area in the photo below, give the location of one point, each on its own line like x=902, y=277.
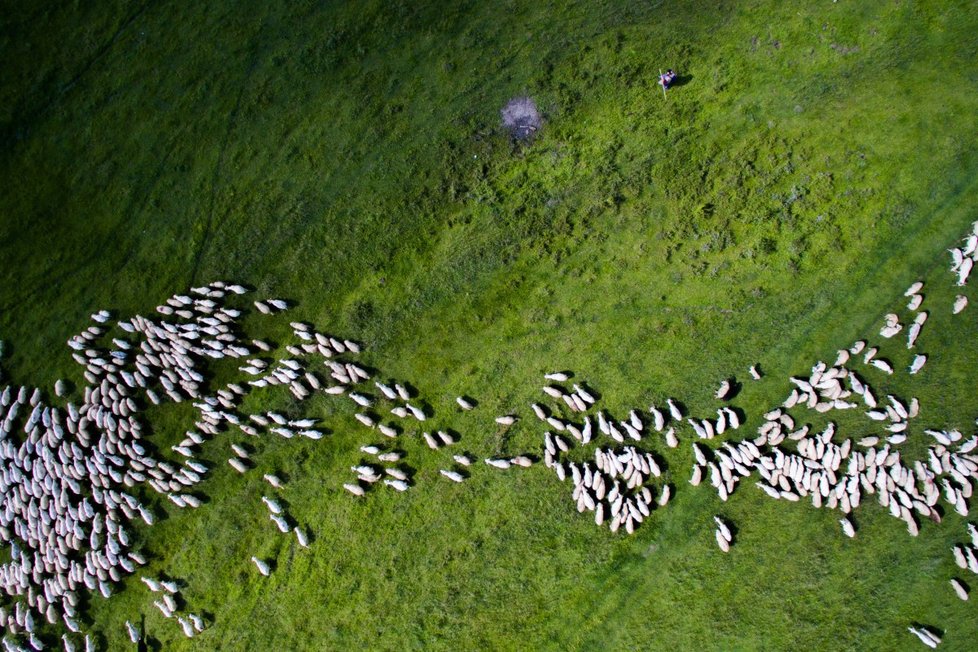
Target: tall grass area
x=816, y=159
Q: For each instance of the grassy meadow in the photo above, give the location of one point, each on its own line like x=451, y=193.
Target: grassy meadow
x=815, y=160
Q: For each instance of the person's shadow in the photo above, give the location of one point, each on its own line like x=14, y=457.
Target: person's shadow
x=680, y=80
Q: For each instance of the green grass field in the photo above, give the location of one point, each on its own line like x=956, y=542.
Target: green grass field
x=819, y=158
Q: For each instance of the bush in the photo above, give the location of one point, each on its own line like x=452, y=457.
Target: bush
x=521, y=118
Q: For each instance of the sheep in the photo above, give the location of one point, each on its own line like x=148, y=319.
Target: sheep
x=263, y=567
x=301, y=538
x=723, y=390
x=914, y=289
x=238, y=465
x=959, y=589
x=397, y=485
x=280, y=522
x=584, y=394
x=354, y=489
x=722, y=542
x=553, y=392
x=273, y=505
x=912, y=335
x=883, y=366
x=418, y=413
x=917, y=364
x=396, y=473
x=658, y=420
x=463, y=403
x=464, y=460
x=365, y=420
x=506, y=420
x=847, y=527
x=964, y=271
x=960, y=303
x=197, y=622
x=671, y=440
x=360, y=399
x=674, y=410
x=522, y=460
x=498, y=463
x=446, y=439
x=664, y=496
x=925, y=636
x=454, y=476
x=754, y=372
x=273, y=480
x=133, y=632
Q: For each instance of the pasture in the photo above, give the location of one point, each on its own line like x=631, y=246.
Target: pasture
x=815, y=160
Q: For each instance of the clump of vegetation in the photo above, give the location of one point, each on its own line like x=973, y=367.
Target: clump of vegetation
x=521, y=118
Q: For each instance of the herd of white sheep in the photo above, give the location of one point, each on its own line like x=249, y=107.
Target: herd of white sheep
x=71, y=468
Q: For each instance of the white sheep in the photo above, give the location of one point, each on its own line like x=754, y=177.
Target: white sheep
x=263, y=567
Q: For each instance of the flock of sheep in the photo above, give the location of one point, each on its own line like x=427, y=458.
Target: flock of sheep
x=70, y=472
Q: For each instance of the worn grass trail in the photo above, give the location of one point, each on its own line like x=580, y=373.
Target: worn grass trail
x=816, y=161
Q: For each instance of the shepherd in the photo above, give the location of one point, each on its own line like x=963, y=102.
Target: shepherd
x=667, y=78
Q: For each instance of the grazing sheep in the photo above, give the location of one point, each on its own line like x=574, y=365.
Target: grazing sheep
x=847, y=527
x=418, y=413
x=959, y=589
x=464, y=404
x=454, y=476
x=918, y=363
x=723, y=390
x=914, y=289
x=263, y=567
x=960, y=303
x=722, y=542
x=133, y=632
x=754, y=372
x=671, y=440
x=354, y=489
x=397, y=485
x=553, y=392
x=498, y=463
x=237, y=464
x=388, y=393
x=926, y=637
x=365, y=420
x=506, y=420
x=674, y=410
x=723, y=530
x=584, y=394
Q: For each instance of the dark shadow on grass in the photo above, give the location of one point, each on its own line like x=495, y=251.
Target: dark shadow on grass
x=680, y=81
